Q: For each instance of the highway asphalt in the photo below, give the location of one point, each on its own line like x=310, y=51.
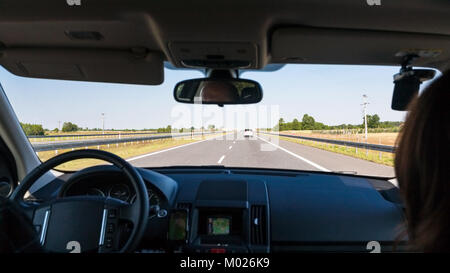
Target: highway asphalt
x=260, y=151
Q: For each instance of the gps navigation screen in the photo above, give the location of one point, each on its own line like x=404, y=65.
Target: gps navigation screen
x=219, y=225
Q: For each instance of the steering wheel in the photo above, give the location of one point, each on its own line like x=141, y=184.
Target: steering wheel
x=86, y=223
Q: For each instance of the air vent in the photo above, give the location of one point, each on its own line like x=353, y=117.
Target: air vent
x=258, y=225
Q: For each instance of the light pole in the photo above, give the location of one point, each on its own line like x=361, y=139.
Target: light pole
x=364, y=104
x=103, y=123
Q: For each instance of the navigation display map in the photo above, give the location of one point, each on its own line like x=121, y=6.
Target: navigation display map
x=219, y=225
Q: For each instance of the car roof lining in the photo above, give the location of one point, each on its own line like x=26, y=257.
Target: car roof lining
x=359, y=47
x=325, y=32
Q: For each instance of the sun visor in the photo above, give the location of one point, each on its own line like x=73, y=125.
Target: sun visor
x=365, y=47
x=113, y=66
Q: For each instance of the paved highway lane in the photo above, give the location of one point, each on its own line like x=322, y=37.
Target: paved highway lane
x=236, y=151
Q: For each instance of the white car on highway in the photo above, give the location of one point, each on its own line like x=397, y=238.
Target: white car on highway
x=248, y=133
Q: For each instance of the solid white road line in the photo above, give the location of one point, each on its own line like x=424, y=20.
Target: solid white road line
x=297, y=156
x=229, y=148
x=220, y=160
x=170, y=149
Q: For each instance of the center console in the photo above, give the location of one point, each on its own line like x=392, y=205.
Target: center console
x=221, y=220
x=220, y=230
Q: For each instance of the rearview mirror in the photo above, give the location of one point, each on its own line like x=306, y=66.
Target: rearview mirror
x=218, y=91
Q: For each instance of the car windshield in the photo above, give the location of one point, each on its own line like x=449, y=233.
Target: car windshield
x=310, y=118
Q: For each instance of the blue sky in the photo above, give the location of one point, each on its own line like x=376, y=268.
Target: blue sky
x=332, y=94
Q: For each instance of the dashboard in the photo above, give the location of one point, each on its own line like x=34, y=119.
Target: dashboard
x=241, y=210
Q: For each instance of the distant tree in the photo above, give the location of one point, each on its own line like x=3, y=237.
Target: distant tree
x=69, y=127
x=56, y=130
x=308, y=122
x=296, y=125
x=287, y=126
x=33, y=129
x=281, y=124
x=320, y=126
x=390, y=124
x=373, y=121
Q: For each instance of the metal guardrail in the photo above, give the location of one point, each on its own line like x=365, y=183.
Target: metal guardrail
x=40, y=147
x=362, y=145
x=92, y=135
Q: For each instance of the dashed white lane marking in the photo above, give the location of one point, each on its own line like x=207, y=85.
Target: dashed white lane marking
x=220, y=160
x=229, y=148
x=297, y=156
x=234, y=142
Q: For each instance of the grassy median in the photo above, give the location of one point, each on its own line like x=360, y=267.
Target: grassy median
x=383, y=138
x=374, y=156
x=124, y=150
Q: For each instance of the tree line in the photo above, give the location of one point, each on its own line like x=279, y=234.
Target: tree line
x=32, y=129
x=37, y=129
x=309, y=123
